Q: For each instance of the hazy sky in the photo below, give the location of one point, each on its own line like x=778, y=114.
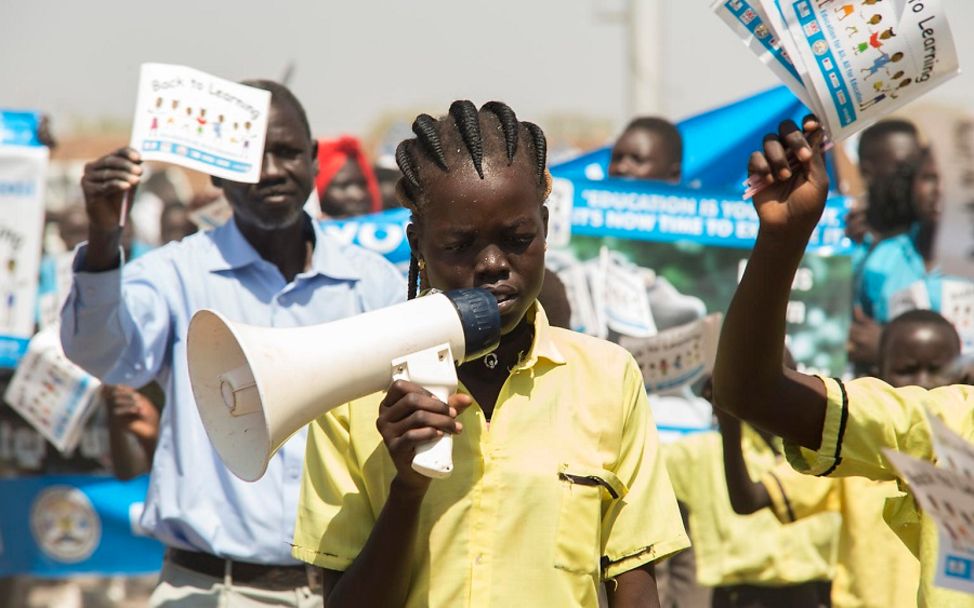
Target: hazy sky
x=355, y=60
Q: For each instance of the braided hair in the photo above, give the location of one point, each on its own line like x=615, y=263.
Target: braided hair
x=466, y=134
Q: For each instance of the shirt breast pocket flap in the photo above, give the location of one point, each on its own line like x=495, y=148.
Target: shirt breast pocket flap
x=578, y=542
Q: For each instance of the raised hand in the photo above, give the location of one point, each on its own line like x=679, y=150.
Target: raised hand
x=410, y=416
x=105, y=184
x=792, y=203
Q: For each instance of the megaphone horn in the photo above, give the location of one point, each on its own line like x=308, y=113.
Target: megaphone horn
x=256, y=386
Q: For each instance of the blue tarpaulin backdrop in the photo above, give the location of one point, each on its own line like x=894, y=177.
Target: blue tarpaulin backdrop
x=716, y=144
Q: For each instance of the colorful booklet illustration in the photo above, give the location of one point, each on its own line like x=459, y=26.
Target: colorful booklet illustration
x=852, y=63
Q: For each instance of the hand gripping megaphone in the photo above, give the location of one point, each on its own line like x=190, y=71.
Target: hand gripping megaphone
x=256, y=386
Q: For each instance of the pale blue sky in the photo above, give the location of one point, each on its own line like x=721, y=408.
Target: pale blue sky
x=355, y=61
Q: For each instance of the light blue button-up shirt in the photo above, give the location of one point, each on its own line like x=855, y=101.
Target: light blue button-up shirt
x=128, y=326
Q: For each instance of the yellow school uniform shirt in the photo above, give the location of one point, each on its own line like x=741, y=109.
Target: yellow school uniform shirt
x=753, y=549
x=863, y=417
x=564, y=487
x=874, y=568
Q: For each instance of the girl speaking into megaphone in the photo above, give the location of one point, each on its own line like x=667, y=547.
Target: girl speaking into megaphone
x=558, y=485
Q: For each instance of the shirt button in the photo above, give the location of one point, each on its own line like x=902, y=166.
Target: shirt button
x=480, y=559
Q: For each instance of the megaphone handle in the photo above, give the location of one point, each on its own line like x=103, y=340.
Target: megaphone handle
x=434, y=370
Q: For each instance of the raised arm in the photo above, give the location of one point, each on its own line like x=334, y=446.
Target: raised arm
x=116, y=330
x=750, y=381
x=746, y=495
x=107, y=183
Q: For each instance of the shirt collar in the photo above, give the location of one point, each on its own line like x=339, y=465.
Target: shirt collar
x=543, y=345
x=232, y=251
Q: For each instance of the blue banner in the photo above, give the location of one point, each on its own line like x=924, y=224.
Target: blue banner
x=56, y=526
x=658, y=212
x=384, y=233
x=638, y=210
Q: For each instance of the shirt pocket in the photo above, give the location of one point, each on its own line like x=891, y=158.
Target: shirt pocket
x=578, y=540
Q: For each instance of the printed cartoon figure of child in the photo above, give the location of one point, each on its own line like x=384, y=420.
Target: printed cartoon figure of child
x=246, y=135
x=172, y=115
x=881, y=62
x=218, y=127
x=875, y=41
x=845, y=10
x=888, y=93
x=879, y=85
x=154, y=125
x=876, y=38
x=189, y=119
x=201, y=121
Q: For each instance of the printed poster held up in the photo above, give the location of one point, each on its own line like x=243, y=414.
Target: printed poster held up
x=857, y=60
x=676, y=357
x=23, y=166
x=201, y=122
x=51, y=393
x=946, y=495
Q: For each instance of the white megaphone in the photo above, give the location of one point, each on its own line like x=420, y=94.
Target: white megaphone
x=256, y=386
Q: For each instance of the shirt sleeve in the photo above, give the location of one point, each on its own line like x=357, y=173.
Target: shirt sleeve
x=796, y=496
x=116, y=324
x=645, y=524
x=334, y=516
x=866, y=415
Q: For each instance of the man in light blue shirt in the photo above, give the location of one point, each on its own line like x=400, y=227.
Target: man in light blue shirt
x=229, y=540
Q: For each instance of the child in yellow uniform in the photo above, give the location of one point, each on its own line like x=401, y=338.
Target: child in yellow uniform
x=558, y=483
x=749, y=560
x=830, y=428
x=747, y=555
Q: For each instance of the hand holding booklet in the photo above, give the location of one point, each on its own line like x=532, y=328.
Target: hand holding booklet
x=851, y=62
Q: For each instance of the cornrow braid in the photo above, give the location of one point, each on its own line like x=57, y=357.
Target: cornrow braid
x=413, y=281
x=436, y=141
x=467, y=119
x=425, y=129
x=509, y=124
x=409, y=171
x=540, y=150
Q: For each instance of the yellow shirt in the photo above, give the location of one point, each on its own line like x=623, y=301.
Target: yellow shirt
x=752, y=549
x=861, y=580
x=866, y=415
x=564, y=489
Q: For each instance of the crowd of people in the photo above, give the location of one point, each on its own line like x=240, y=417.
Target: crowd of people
x=563, y=493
